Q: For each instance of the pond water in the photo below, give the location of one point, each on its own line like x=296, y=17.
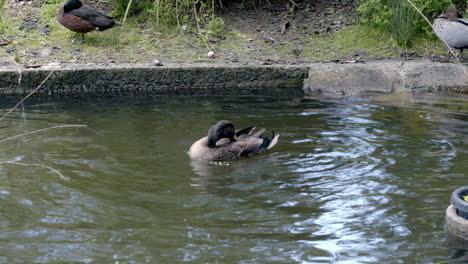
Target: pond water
x=353, y=180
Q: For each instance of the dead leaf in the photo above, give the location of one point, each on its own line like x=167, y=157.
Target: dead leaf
x=5, y=42
x=285, y=26
x=32, y=65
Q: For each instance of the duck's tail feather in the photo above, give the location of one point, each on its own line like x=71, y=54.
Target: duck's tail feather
x=245, y=131
x=259, y=133
x=274, y=140
x=270, y=142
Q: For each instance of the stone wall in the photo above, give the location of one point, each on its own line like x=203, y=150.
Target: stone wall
x=208, y=79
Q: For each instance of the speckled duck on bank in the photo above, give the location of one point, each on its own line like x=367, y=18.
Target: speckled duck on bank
x=453, y=29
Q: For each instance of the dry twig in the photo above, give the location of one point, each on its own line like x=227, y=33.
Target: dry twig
x=40, y=130
x=37, y=165
x=27, y=96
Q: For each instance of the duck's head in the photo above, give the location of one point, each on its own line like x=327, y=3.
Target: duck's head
x=222, y=129
x=451, y=13
x=72, y=4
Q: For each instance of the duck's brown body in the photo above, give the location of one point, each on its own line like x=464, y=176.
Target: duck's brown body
x=74, y=23
x=82, y=19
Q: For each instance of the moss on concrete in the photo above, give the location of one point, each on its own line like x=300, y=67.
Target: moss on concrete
x=201, y=79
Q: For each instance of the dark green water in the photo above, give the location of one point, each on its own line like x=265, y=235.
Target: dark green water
x=351, y=181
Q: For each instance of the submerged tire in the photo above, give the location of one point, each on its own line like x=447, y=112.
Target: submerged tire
x=456, y=225
x=459, y=203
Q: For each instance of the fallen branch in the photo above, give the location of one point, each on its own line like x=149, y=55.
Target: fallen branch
x=40, y=130
x=27, y=96
x=126, y=12
x=37, y=165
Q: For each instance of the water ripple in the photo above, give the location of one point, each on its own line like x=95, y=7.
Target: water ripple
x=353, y=180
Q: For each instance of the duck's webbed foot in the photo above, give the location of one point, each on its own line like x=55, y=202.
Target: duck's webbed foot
x=76, y=41
x=460, y=55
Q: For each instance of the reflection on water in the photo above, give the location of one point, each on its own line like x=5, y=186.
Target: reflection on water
x=351, y=180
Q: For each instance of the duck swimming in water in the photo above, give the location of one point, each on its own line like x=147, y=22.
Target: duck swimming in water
x=82, y=19
x=452, y=29
x=225, y=143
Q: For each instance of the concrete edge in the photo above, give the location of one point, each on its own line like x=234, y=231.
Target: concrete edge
x=456, y=225
x=318, y=78
x=198, y=79
x=387, y=77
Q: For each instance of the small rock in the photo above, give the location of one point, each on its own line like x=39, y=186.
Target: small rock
x=214, y=40
x=269, y=40
x=232, y=58
x=156, y=62
x=361, y=52
x=45, y=30
x=406, y=53
x=45, y=52
x=266, y=62
x=29, y=24
x=32, y=65
x=284, y=27
x=297, y=52
x=211, y=54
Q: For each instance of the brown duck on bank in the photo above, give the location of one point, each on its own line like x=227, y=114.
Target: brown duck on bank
x=82, y=19
x=225, y=143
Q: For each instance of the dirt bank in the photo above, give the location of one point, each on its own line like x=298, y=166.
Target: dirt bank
x=276, y=34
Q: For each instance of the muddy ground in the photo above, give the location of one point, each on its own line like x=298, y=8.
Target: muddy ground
x=276, y=27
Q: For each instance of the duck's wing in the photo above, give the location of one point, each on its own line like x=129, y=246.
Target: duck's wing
x=245, y=132
x=458, y=33
x=254, y=144
x=93, y=16
x=223, y=142
x=259, y=133
x=462, y=21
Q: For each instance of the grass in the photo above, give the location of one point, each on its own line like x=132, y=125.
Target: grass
x=402, y=24
x=143, y=41
x=355, y=39
x=366, y=42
